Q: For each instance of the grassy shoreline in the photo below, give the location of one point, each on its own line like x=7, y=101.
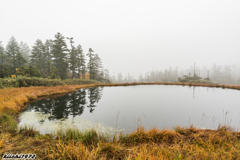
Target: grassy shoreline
x=180, y=143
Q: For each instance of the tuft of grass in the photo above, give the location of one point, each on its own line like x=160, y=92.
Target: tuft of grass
x=90, y=136
x=7, y=123
x=71, y=150
x=153, y=135
x=28, y=131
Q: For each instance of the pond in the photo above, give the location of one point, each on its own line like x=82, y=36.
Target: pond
x=124, y=108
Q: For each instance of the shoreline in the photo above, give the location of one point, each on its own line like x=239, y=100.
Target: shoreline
x=71, y=88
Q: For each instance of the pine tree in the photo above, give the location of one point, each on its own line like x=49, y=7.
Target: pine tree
x=37, y=57
x=13, y=53
x=47, y=55
x=3, y=65
x=2, y=54
x=59, y=54
x=97, y=68
x=72, y=58
x=25, y=50
x=91, y=63
x=81, y=62
x=20, y=61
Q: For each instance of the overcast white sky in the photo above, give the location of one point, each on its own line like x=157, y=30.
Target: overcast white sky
x=132, y=36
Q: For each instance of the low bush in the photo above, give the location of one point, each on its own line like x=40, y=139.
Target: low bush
x=34, y=81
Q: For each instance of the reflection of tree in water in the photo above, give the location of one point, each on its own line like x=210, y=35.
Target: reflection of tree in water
x=70, y=104
x=76, y=103
x=95, y=95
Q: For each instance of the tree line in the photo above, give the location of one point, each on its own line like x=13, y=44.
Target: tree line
x=222, y=74
x=50, y=59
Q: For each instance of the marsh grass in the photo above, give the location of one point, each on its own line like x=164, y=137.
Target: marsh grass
x=181, y=143
x=90, y=136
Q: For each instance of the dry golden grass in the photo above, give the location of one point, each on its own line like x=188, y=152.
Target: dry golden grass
x=190, y=143
x=184, y=143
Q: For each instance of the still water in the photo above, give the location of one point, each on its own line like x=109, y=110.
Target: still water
x=113, y=109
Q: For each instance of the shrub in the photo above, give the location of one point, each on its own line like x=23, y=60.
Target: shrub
x=35, y=81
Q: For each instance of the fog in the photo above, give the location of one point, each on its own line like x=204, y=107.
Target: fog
x=134, y=37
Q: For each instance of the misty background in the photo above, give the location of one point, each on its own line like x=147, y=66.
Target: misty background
x=137, y=40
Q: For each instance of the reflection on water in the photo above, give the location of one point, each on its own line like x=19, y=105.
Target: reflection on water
x=48, y=115
x=67, y=105
x=114, y=108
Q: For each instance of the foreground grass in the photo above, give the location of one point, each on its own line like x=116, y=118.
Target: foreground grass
x=180, y=143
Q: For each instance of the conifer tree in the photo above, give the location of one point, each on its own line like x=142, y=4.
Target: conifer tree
x=13, y=53
x=25, y=50
x=3, y=65
x=91, y=63
x=81, y=62
x=2, y=54
x=59, y=54
x=20, y=61
x=72, y=58
x=47, y=55
x=37, y=56
x=97, y=68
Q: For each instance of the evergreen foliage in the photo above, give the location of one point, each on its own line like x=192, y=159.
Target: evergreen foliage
x=3, y=62
x=25, y=50
x=59, y=54
x=37, y=56
x=47, y=54
x=73, y=58
x=91, y=64
x=81, y=62
x=51, y=59
x=14, y=56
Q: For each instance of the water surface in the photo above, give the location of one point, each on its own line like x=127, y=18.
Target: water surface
x=111, y=109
